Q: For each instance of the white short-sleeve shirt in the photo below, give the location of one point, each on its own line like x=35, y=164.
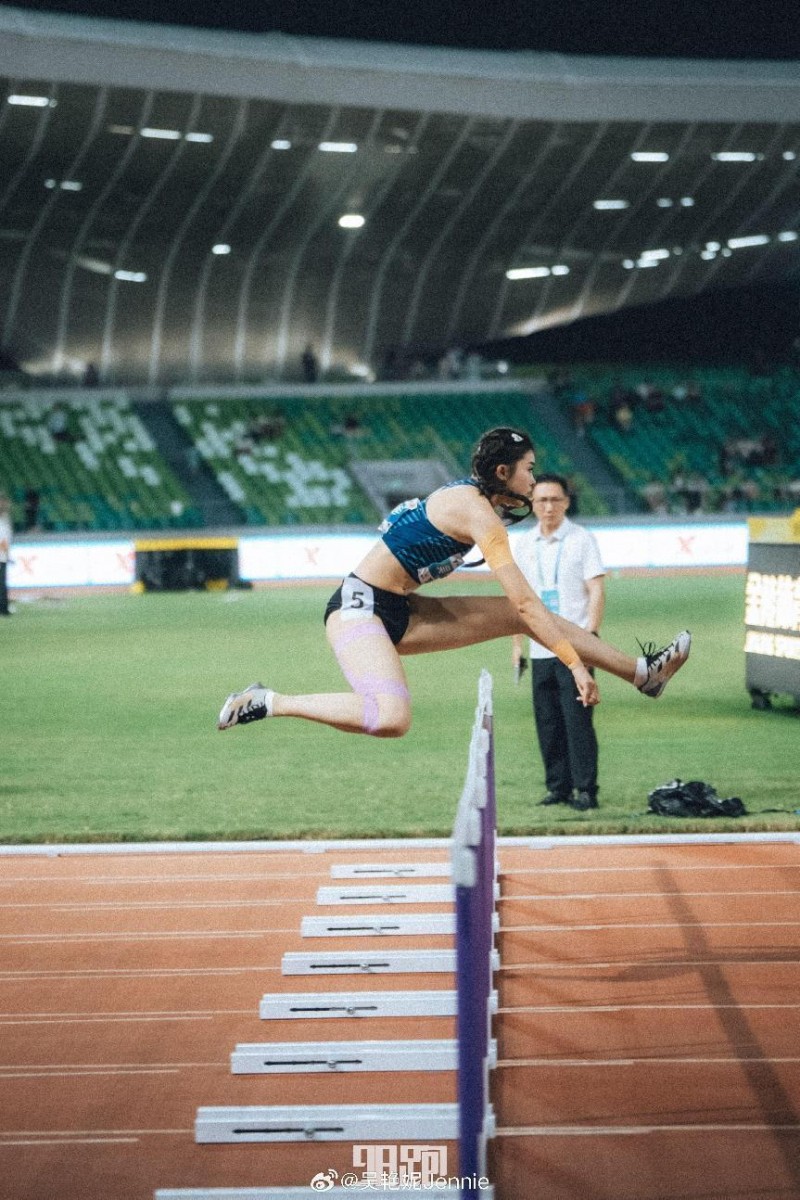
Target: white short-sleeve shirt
x=562, y=562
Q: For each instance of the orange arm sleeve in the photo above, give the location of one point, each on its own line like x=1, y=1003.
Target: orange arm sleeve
x=496, y=550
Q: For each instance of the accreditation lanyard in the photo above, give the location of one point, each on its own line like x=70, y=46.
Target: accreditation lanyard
x=548, y=595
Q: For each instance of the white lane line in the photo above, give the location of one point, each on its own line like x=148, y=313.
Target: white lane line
x=660, y=1060
x=265, y=877
x=579, y=1009
x=70, y=1074
x=654, y=964
x=154, y=905
x=5, y=1140
x=536, y=870
x=651, y=868
x=137, y=973
x=43, y=939
x=659, y=895
x=55, y=1018
x=47, y=1067
x=634, y=1130
x=568, y=928
x=92, y=1133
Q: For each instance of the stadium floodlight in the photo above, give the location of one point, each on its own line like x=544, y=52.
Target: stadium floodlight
x=789, y=155
x=131, y=276
x=338, y=147
x=664, y=202
x=167, y=135
x=650, y=156
x=221, y=248
x=643, y=263
x=740, y=243
x=735, y=156
x=687, y=201
x=788, y=235
x=351, y=221
x=24, y=101
x=125, y=130
x=715, y=246
x=199, y=137
x=559, y=269
x=527, y=273
x=604, y=205
x=654, y=254
x=66, y=185
x=281, y=144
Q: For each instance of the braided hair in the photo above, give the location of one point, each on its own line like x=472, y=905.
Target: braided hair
x=497, y=447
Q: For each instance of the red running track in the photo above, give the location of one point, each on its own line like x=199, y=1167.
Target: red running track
x=648, y=1024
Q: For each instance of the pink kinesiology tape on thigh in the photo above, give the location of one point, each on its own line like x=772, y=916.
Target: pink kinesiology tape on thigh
x=356, y=632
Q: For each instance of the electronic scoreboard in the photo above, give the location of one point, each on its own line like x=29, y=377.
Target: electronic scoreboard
x=772, y=609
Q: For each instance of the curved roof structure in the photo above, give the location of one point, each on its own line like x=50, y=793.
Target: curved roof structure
x=186, y=205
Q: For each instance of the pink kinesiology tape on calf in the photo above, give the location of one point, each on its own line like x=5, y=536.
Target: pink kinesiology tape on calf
x=372, y=715
x=373, y=684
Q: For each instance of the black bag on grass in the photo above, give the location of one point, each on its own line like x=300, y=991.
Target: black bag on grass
x=692, y=799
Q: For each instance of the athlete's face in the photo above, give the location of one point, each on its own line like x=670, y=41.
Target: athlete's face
x=520, y=477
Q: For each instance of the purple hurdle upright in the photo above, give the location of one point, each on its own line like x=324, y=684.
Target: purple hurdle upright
x=473, y=853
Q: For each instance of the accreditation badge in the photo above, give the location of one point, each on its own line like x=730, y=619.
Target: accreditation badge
x=549, y=598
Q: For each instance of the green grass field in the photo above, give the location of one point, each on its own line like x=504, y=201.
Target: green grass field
x=109, y=701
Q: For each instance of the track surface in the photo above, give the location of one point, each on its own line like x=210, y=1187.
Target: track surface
x=648, y=1024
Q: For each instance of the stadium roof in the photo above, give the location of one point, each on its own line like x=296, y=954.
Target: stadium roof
x=182, y=204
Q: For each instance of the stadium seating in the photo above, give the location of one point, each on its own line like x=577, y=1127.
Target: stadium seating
x=284, y=460
x=92, y=463
x=698, y=444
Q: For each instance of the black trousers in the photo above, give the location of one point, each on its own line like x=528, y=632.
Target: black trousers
x=565, y=729
x=3, y=589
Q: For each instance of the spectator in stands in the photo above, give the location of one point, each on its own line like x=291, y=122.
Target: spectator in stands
x=582, y=410
x=58, y=424
x=561, y=562
x=310, y=364
x=473, y=367
x=375, y=617
x=622, y=416
x=6, y=534
x=267, y=428
x=655, y=497
x=451, y=364
x=31, y=510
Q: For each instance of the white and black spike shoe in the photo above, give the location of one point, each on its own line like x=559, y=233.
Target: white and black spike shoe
x=253, y=704
x=662, y=664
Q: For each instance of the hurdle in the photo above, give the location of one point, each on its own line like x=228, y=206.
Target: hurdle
x=474, y=874
x=473, y=890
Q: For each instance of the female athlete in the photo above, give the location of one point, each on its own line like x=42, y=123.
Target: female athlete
x=376, y=617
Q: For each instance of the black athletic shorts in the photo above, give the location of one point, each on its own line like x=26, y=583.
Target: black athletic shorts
x=358, y=597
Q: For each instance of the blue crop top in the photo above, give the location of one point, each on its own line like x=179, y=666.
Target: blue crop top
x=423, y=550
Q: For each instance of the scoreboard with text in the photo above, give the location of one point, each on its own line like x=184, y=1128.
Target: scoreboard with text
x=772, y=609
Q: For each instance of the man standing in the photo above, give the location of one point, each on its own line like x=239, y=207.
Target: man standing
x=562, y=563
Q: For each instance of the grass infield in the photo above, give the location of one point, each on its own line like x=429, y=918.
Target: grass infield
x=109, y=702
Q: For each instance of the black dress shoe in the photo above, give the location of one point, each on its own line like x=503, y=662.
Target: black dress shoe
x=552, y=798
x=583, y=801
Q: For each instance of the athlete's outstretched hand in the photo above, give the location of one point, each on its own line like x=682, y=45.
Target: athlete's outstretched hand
x=587, y=688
